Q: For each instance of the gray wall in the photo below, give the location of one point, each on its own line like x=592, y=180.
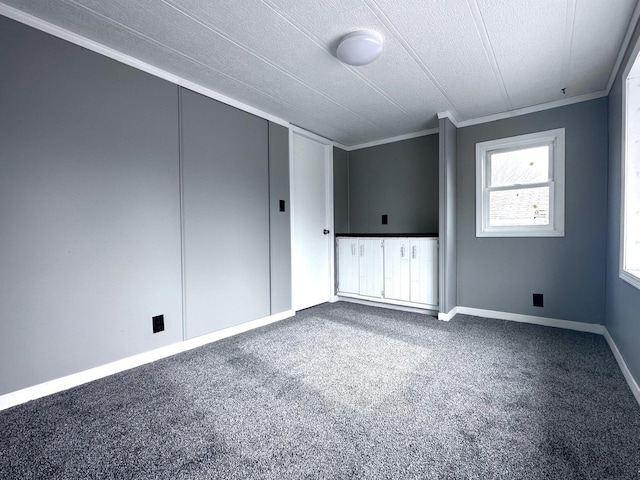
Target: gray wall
x=279, y=223
x=448, y=216
x=502, y=273
x=340, y=190
x=89, y=209
x=226, y=215
x=623, y=300
x=399, y=179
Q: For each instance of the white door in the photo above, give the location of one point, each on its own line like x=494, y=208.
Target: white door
x=312, y=210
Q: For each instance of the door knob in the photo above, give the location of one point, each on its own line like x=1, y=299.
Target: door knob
x=325, y=231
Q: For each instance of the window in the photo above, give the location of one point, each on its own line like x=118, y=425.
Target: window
x=630, y=235
x=520, y=186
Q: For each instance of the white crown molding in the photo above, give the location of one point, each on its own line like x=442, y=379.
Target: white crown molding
x=633, y=385
x=64, y=383
x=533, y=109
x=341, y=146
x=449, y=115
x=633, y=23
x=56, y=31
x=399, y=138
x=548, y=322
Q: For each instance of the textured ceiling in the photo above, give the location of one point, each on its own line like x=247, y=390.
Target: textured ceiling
x=473, y=58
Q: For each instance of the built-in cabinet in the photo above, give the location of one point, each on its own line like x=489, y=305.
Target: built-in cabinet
x=400, y=270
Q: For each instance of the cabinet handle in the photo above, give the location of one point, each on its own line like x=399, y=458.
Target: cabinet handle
x=413, y=252
x=402, y=251
x=353, y=249
x=362, y=250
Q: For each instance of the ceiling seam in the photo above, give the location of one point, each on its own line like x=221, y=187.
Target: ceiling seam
x=379, y=13
x=488, y=48
x=569, y=24
x=266, y=61
x=148, y=39
x=322, y=46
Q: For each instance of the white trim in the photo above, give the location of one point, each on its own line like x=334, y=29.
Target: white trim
x=548, y=322
x=623, y=48
x=330, y=221
x=381, y=303
x=448, y=315
x=56, y=31
x=533, y=109
x=64, y=383
x=399, y=138
x=310, y=135
x=449, y=115
x=556, y=183
x=341, y=146
x=622, y=272
x=633, y=385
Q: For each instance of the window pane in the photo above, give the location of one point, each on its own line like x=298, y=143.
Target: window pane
x=522, y=206
x=520, y=167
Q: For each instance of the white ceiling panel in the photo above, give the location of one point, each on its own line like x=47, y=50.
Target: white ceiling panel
x=596, y=43
x=530, y=64
x=459, y=62
x=471, y=57
x=323, y=22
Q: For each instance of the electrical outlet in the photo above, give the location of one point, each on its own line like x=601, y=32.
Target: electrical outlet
x=538, y=300
x=158, y=323
x=385, y=219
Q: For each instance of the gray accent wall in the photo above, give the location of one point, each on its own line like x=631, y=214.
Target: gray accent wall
x=398, y=179
x=89, y=209
x=226, y=215
x=280, y=222
x=502, y=273
x=340, y=190
x=623, y=300
x=448, y=278
x=119, y=192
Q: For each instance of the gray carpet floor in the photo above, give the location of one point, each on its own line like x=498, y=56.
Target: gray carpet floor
x=345, y=391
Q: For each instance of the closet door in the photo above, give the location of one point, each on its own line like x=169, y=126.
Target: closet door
x=225, y=161
x=348, y=276
x=370, y=267
x=397, y=269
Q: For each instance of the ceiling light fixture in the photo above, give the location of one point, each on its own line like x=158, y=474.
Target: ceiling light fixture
x=360, y=47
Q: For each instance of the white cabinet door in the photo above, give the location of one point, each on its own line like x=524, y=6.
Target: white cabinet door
x=348, y=277
x=424, y=270
x=397, y=269
x=370, y=251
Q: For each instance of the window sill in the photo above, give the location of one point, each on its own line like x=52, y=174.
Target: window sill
x=630, y=278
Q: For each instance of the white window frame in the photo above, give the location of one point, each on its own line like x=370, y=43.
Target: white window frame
x=555, y=228
x=633, y=60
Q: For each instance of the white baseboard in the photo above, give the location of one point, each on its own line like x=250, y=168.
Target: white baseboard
x=448, y=315
x=633, y=385
x=64, y=383
x=390, y=306
x=549, y=322
x=553, y=322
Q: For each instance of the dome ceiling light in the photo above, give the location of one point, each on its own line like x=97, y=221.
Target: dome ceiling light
x=360, y=47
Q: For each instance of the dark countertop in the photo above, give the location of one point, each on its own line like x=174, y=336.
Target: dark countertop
x=386, y=235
